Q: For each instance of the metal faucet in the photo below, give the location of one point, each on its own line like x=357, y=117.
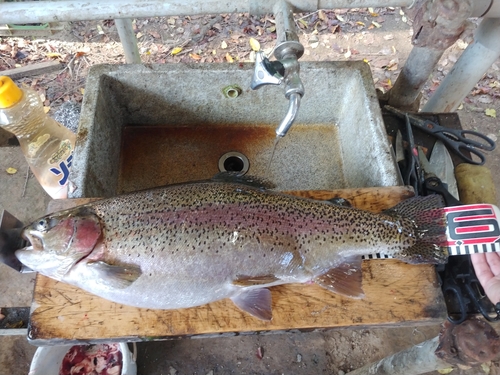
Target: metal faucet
x=286, y=67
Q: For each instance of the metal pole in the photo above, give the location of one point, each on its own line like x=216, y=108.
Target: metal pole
x=128, y=39
x=469, y=68
x=72, y=10
x=437, y=25
x=415, y=73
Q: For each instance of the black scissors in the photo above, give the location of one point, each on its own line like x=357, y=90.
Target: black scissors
x=455, y=139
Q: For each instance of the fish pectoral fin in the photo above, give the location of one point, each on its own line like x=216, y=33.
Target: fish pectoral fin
x=256, y=302
x=115, y=276
x=243, y=280
x=344, y=279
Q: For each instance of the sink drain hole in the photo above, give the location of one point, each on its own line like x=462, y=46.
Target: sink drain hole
x=234, y=162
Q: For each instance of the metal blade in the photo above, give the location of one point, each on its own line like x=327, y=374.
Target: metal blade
x=10, y=241
x=442, y=164
x=400, y=152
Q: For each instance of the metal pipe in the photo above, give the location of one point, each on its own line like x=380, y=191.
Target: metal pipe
x=415, y=73
x=469, y=68
x=128, y=39
x=437, y=25
x=72, y=10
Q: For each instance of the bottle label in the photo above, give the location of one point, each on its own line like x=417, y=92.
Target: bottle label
x=33, y=147
x=62, y=170
x=62, y=153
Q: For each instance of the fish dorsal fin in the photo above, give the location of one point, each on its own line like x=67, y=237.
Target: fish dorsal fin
x=256, y=302
x=236, y=177
x=114, y=276
x=242, y=280
x=344, y=279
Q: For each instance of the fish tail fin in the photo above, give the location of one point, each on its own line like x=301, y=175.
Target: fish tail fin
x=429, y=219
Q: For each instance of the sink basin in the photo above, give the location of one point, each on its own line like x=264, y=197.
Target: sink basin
x=143, y=126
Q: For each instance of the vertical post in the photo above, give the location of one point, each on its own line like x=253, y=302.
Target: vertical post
x=437, y=25
x=128, y=39
x=469, y=68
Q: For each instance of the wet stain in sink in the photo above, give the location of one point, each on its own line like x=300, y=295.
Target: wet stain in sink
x=159, y=155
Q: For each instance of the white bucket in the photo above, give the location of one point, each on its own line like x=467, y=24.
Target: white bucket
x=47, y=360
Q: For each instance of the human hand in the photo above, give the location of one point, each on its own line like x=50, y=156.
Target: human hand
x=487, y=267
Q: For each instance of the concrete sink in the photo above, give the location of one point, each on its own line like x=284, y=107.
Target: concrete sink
x=148, y=125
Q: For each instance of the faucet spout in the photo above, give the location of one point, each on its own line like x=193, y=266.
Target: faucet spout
x=293, y=109
x=286, y=67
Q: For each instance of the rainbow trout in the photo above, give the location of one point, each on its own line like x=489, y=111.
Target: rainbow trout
x=190, y=244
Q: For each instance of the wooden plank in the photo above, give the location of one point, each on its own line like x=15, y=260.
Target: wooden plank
x=396, y=294
x=32, y=69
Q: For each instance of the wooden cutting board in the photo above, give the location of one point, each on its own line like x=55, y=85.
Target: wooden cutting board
x=396, y=294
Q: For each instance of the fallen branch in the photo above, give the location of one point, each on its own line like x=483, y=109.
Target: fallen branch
x=32, y=69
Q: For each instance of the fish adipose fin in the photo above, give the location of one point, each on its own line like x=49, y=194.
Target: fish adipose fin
x=243, y=280
x=115, y=276
x=256, y=302
x=428, y=216
x=345, y=279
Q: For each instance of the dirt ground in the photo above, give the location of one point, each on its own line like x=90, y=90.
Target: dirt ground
x=381, y=37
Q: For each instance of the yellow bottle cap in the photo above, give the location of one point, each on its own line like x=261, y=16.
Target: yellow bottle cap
x=10, y=94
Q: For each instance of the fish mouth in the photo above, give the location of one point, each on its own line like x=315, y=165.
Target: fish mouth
x=35, y=239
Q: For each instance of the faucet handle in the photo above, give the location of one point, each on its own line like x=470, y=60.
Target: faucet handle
x=266, y=72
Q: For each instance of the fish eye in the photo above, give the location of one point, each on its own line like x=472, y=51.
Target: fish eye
x=42, y=225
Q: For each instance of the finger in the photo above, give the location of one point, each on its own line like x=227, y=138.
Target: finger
x=493, y=260
x=482, y=268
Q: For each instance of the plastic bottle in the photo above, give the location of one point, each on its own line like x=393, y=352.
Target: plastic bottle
x=47, y=145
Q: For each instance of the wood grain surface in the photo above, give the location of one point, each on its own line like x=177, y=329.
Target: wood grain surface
x=396, y=294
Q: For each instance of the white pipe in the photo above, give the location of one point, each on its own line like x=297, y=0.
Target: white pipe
x=72, y=10
x=468, y=70
x=128, y=39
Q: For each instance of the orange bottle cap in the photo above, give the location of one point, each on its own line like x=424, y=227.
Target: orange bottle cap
x=10, y=94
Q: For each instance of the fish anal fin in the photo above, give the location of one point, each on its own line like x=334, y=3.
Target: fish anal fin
x=256, y=302
x=116, y=276
x=243, y=280
x=344, y=279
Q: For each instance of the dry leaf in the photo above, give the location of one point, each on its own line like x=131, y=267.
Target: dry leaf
x=195, y=56
x=176, y=50
x=223, y=45
x=138, y=35
x=389, y=37
x=254, y=44
x=494, y=84
x=46, y=109
x=82, y=90
x=445, y=370
x=461, y=106
x=154, y=34
x=322, y=16
x=11, y=170
x=360, y=23
x=376, y=24
x=348, y=53
x=229, y=59
x=99, y=30
x=461, y=44
x=53, y=54
x=304, y=23
x=340, y=18
x=490, y=112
